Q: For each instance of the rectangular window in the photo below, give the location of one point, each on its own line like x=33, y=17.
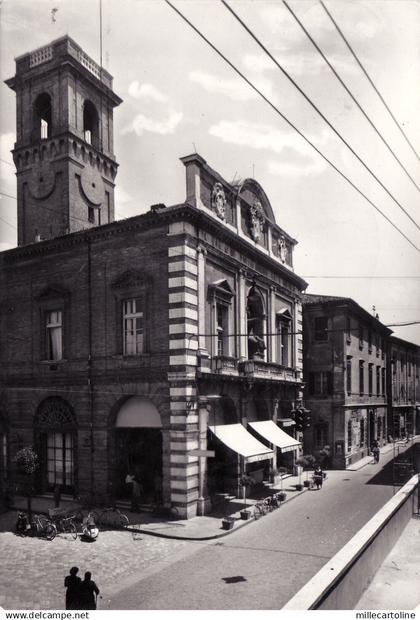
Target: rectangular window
x=377, y=342
x=321, y=328
x=348, y=375
x=383, y=381
x=348, y=329
x=321, y=435
x=378, y=380
x=133, y=327
x=361, y=377
x=284, y=348
x=370, y=340
x=370, y=379
x=44, y=129
x=222, y=329
x=383, y=348
x=54, y=329
x=321, y=383
x=91, y=215
x=60, y=459
x=361, y=333
x=88, y=136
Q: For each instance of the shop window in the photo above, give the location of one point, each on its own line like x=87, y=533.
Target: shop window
x=90, y=124
x=348, y=374
x=54, y=335
x=133, y=326
x=42, y=117
x=362, y=432
x=321, y=328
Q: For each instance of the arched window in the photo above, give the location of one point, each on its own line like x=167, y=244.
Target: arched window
x=91, y=124
x=42, y=125
x=55, y=429
x=255, y=323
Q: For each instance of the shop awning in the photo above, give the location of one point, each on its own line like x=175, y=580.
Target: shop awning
x=272, y=433
x=237, y=438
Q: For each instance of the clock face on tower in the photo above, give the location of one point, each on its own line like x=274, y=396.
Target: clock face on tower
x=92, y=185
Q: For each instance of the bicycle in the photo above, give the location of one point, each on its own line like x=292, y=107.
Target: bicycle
x=64, y=524
x=42, y=526
x=113, y=517
x=261, y=508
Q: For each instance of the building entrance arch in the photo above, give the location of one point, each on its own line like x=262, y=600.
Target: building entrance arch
x=138, y=443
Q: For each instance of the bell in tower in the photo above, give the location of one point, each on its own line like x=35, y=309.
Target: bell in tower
x=63, y=153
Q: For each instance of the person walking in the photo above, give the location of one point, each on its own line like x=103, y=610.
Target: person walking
x=375, y=452
x=318, y=477
x=72, y=583
x=88, y=592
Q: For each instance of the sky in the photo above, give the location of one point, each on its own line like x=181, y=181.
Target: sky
x=180, y=97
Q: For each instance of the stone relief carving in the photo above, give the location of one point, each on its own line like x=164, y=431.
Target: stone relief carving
x=218, y=200
x=257, y=220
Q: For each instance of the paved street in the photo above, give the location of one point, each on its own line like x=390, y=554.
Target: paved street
x=261, y=566
x=258, y=567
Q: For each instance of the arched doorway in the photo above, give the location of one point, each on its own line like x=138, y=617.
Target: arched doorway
x=55, y=442
x=138, y=442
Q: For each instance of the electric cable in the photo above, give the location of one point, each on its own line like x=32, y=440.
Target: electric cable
x=219, y=53
x=369, y=78
x=314, y=106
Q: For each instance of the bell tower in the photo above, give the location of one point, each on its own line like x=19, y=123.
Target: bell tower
x=63, y=153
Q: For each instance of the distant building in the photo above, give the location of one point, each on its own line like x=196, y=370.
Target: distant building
x=146, y=345
x=345, y=360
x=404, y=388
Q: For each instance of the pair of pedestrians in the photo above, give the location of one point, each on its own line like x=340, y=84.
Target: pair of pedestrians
x=80, y=594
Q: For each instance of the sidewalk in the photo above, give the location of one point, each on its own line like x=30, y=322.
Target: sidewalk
x=389, y=447
x=396, y=583
x=197, y=528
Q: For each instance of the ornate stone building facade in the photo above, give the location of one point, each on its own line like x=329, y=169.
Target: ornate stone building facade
x=167, y=345
x=404, y=388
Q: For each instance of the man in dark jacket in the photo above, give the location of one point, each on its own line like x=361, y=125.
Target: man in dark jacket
x=72, y=583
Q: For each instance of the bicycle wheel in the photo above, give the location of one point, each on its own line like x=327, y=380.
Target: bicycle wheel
x=72, y=529
x=123, y=521
x=50, y=531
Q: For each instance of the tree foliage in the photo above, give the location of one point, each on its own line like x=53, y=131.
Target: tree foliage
x=26, y=461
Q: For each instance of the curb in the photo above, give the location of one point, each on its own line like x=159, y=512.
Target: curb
x=211, y=536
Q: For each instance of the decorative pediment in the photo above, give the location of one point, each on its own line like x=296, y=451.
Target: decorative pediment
x=132, y=279
x=284, y=314
x=221, y=288
x=53, y=291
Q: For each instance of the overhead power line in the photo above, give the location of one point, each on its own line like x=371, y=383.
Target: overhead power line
x=348, y=91
x=324, y=157
x=369, y=79
x=314, y=106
